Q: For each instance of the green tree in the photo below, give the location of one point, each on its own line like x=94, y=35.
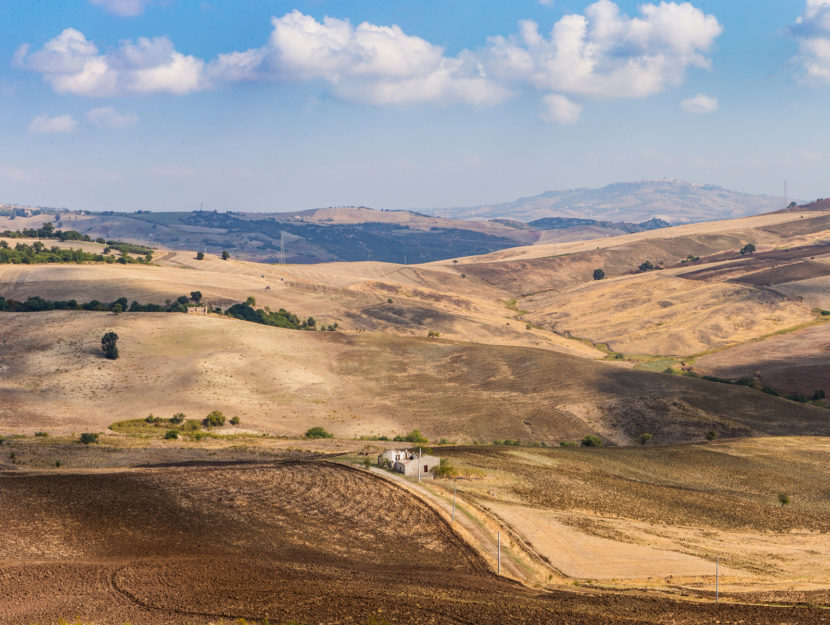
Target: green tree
x=214, y=419
x=645, y=438
x=749, y=248
x=599, y=274
x=784, y=499
x=711, y=435
x=225, y=255
x=171, y=435
x=200, y=255
x=88, y=438
x=108, y=345
x=591, y=441
x=196, y=296
x=318, y=432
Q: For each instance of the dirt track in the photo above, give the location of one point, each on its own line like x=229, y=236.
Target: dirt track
x=310, y=541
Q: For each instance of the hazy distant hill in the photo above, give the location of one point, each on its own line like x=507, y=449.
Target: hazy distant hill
x=670, y=200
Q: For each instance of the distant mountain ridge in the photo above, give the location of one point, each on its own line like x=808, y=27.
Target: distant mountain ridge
x=673, y=201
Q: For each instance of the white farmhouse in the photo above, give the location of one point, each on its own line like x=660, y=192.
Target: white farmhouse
x=407, y=462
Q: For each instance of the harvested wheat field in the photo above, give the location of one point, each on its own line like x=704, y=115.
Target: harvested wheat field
x=317, y=543
x=658, y=517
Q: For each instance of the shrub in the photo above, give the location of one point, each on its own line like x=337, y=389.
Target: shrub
x=433, y=334
x=367, y=462
x=819, y=394
x=567, y=444
x=214, y=419
x=445, y=469
x=234, y=420
x=414, y=436
x=108, y=345
x=645, y=438
x=784, y=499
x=171, y=435
x=749, y=248
x=318, y=432
x=599, y=274
x=646, y=266
x=711, y=435
x=42, y=434
x=591, y=441
x=151, y=418
x=88, y=438
x=190, y=426
x=178, y=418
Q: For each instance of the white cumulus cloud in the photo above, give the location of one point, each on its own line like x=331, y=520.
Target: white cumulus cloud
x=124, y=8
x=108, y=117
x=44, y=124
x=367, y=62
x=71, y=63
x=560, y=110
x=604, y=53
x=812, y=31
x=700, y=104
x=600, y=53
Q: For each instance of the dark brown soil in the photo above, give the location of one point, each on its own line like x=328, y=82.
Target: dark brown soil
x=308, y=541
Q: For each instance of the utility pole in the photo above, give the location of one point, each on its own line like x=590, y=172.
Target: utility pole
x=499, y=564
x=419, y=464
x=717, y=579
x=453, y=503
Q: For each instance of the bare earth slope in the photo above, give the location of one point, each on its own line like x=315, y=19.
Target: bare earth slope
x=284, y=381
x=312, y=542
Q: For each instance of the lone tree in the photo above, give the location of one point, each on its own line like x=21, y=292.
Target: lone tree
x=711, y=435
x=225, y=255
x=749, y=248
x=784, y=499
x=108, y=345
x=196, y=296
x=200, y=255
x=599, y=274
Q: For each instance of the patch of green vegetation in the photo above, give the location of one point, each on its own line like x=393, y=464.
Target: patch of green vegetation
x=318, y=432
x=38, y=304
x=512, y=305
x=414, y=436
x=155, y=427
x=280, y=319
x=659, y=365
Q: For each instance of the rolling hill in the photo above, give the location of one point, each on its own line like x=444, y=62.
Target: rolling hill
x=674, y=201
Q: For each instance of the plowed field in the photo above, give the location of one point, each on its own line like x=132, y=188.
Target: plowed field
x=314, y=542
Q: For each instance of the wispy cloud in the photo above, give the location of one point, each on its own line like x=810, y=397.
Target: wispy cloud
x=123, y=8
x=44, y=124
x=108, y=117
x=559, y=109
x=700, y=104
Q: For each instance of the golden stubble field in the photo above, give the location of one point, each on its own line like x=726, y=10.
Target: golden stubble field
x=659, y=517
x=281, y=382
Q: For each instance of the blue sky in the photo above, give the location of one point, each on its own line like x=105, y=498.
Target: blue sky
x=276, y=106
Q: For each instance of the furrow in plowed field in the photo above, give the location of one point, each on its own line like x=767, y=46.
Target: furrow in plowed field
x=315, y=542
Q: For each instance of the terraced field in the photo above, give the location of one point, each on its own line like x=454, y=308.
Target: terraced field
x=314, y=542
